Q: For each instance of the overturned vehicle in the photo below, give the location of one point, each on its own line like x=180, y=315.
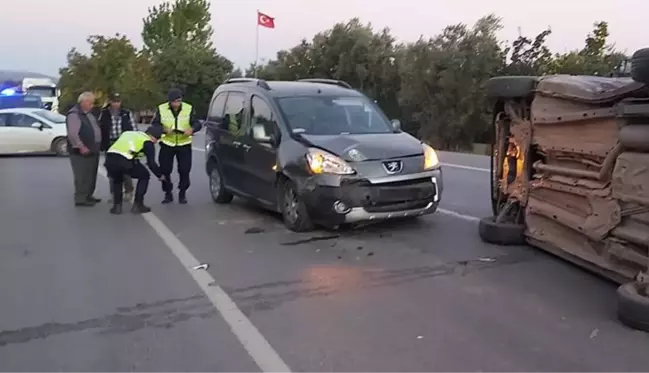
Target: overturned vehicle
x=570, y=174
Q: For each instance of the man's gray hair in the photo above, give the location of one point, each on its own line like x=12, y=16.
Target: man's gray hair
x=87, y=95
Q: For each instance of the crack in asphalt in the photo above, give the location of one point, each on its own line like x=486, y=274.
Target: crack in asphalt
x=261, y=298
x=160, y=314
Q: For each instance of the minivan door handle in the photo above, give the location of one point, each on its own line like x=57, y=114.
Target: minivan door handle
x=236, y=143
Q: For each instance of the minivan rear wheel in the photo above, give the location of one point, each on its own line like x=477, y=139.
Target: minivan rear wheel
x=294, y=211
x=217, y=189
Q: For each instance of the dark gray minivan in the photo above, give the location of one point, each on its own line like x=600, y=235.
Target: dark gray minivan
x=316, y=151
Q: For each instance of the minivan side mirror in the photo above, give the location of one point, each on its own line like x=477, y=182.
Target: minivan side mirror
x=396, y=124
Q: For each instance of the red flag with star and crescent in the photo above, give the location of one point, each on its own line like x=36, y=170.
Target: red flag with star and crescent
x=265, y=20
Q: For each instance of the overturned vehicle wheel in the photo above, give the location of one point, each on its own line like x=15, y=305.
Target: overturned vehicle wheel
x=633, y=305
x=640, y=66
x=505, y=228
x=501, y=233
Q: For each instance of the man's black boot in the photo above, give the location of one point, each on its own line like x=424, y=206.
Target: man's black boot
x=140, y=208
x=182, y=197
x=117, y=209
x=168, y=198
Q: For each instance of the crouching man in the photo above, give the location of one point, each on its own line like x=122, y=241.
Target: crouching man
x=123, y=158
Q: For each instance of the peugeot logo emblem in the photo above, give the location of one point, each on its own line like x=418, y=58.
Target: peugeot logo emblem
x=392, y=167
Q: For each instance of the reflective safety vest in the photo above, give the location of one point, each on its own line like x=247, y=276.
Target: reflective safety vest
x=169, y=122
x=129, y=144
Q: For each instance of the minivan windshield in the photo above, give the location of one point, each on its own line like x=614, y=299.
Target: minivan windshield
x=333, y=115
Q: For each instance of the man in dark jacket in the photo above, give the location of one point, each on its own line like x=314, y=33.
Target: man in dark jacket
x=84, y=139
x=113, y=120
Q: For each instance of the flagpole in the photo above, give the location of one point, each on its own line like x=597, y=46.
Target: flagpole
x=257, y=44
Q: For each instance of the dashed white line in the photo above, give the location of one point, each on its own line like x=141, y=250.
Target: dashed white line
x=252, y=340
x=454, y=214
x=466, y=167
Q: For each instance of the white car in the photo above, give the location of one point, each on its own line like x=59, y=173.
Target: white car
x=32, y=130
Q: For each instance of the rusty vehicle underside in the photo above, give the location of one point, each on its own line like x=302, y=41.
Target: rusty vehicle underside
x=570, y=174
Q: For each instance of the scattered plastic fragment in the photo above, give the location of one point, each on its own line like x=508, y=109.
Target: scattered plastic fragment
x=201, y=266
x=487, y=260
x=420, y=337
x=594, y=333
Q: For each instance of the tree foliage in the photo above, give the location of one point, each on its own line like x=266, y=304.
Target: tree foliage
x=435, y=85
x=177, y=52
x=113, y=64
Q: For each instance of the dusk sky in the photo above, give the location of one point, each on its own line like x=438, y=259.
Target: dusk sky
x=37, y=34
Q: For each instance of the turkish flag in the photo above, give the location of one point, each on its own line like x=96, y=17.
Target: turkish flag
x=265, y=20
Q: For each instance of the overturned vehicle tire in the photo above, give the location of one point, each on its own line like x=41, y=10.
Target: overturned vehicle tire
x=506, y=87
x=633, y=305
x=640, y=66
x=501, y=233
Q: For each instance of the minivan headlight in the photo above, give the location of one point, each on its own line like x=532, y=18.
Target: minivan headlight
x=322, y=162
x=430, y=157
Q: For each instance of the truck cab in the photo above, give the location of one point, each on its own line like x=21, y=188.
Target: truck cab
x=45, y=88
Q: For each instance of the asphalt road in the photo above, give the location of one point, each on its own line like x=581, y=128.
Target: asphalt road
x=81, y=290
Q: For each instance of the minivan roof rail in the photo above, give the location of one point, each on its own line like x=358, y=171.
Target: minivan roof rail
x=339, y=83
x=259, y=82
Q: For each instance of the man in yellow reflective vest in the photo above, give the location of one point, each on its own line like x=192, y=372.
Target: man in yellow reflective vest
x=123, y=158
x=178, y=121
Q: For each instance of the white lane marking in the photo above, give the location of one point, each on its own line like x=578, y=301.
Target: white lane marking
x=252, y=340
x=443, y=164
x=466, y=167
x=458, y=215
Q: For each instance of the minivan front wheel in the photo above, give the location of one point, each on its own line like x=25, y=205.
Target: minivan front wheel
x=217, y=189
x=294, y=211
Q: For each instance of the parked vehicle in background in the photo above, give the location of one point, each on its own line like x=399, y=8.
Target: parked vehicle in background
x=570, y=174
x=9, y=100
x=32, y=130
x=41, y=86
x=317, y=151
x=45, y=88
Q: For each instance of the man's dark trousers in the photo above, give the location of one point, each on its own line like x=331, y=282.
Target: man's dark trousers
x=84, y=169
x=183, y=155
x=118, y=167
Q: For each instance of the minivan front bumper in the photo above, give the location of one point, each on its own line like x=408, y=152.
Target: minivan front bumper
x=337, y=199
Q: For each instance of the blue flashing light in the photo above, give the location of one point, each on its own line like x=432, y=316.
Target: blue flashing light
x=8, y=92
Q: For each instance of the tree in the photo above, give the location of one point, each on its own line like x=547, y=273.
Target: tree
x=530, y=57
x=349, y=51
x=596, y=58
x=113, y=65
x=187, y=21
x=442, y=82
x=177, y=36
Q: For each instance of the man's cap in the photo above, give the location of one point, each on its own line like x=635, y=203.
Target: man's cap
x=174, y=94
x=154, y=131
x=115, y=96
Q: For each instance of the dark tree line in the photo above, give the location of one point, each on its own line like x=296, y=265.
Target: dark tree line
x=434, y=85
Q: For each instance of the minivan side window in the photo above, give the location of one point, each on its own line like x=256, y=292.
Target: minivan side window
x=233, y=116
x=216, y=108
x=261, y=115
